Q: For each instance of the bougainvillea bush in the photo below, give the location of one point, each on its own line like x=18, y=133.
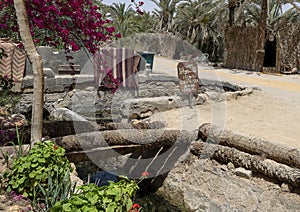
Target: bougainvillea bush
x=71, y=24
x=63, y=24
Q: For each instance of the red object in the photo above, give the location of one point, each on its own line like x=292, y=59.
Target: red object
x=145, y=174
x=135, y=207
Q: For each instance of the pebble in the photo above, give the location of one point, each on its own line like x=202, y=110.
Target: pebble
x=241, y=172
x=230, y=166
x=286, y=187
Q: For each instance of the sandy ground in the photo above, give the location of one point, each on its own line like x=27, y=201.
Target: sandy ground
x=272, y=113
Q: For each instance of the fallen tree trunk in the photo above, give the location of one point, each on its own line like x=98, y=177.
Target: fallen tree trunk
x=252, y=145
x=101, y=153
x=267, y=167
x=53, y=129
x=132, y=125
x=145, y=138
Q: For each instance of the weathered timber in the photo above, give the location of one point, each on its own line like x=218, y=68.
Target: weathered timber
x=133, y=125
x=146, y=138
x=101, y=153
x=250, y=144
x=53, y=129
x=255, y=163
x=64, y=128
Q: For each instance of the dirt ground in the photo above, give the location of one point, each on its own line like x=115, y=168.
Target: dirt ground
x=272, y=112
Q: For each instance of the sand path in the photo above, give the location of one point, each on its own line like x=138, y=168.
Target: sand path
x=273, y=113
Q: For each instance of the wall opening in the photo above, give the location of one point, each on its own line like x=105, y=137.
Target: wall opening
x=270, y=53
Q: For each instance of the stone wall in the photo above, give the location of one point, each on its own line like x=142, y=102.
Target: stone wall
x=52, y=59
x=165, y=44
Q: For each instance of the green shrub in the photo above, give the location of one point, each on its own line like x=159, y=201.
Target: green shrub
x=44, y=159
x=115, y=197
x=54, y=192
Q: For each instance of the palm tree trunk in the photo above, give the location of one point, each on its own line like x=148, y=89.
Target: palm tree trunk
x=260, y=52
x=37, y=66
x=250, y=144
x=255, y=163
x=231, y=6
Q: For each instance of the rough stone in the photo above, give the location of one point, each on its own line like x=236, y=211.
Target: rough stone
x=64, y=114
x=286, y=187
x=74, y=176
x=241, y=172
x=205, y=187
x=230, y=166
x=145, y=107
x=294, y=71
x=49, y=73
x=201, y=99
x=224, y=168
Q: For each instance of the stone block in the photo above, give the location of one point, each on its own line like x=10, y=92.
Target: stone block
x=49, y=73
x=54, y=89
x=241, y=172
x=49, y=82
x=27, y=82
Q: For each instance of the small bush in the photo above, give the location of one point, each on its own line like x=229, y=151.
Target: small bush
x=115, y=197
x=44, y=160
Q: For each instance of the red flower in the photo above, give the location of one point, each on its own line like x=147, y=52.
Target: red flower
x=135, y=207
x=55, y=146
x=145, y=174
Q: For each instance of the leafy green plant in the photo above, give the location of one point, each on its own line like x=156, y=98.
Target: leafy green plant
x=115, y=197
x=19, y=152
x=54, y=192
x=44, y=159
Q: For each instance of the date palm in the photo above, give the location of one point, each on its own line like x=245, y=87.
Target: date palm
x=122, y=17
x=165, y=13
x=202, y=23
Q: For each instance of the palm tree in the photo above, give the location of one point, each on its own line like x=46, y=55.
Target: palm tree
x=127, y=21
x=146, y=22
x=201, y=23
x=122, y=17
x=165, y=13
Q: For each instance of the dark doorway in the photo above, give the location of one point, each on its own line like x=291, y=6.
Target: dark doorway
x=270, y=53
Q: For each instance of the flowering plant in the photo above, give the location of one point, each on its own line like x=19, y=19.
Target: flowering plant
x=29, y=171
x=71, y=25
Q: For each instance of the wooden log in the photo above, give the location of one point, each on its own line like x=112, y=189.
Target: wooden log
x=250, y=144
x=52, y=129
x=255, y=163
x=100, y=153
x=146, y=138
x=133, y=125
